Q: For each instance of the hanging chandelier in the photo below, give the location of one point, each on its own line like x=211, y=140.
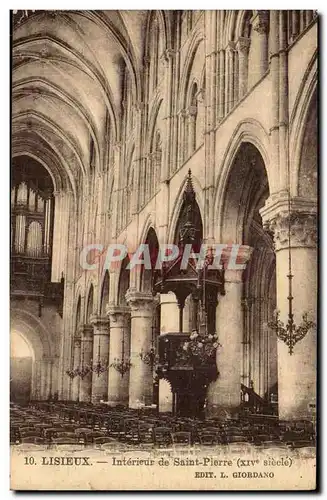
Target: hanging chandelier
x=98, y=367
x=83, y=369
x=290, y=333
x=149, y=357
x=72, y=373
x=121, y=365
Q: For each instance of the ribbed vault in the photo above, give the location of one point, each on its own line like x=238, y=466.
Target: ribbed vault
x=67, y=85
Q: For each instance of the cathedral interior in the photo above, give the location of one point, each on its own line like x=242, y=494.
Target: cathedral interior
x=156, y=128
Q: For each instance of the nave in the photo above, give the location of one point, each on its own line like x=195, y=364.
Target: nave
x=76, y=426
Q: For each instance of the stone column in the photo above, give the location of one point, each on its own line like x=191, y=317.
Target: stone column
x=169, y=322
x=76, y=365
x=85, y=383
x=242, y=47
x=260, y=45
x=169, y=313
x=100, y=357
x=296, y=372
x=142, y=340
x=118, y=383
x=224, y=395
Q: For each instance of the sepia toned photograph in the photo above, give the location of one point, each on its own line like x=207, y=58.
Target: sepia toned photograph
x=163, y=251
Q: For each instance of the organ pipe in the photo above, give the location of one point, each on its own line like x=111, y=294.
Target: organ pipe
x=20, y=233
x=34, y=240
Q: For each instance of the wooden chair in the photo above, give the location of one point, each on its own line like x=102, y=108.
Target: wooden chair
x=130, y=430
x=182, y=442
x=32, y=439
x=31, y=432
x=145, y=434
x=208, y=437
x=162, y=437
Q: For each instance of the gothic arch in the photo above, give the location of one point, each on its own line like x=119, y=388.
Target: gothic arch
x=175, y=211
x=104, y=293
x=249, y=131
x=149, y=223
x=90, y=301
x=298, y=119
x=26, y=323
x=165, y=29
x=146, y=275
x=123, y=282
x=246, y=189
x=193, y=48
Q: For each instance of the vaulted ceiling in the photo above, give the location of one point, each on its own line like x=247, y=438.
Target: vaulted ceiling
x=67, y=83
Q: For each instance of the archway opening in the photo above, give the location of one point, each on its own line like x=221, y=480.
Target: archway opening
x=21, y=368
x=246, y=193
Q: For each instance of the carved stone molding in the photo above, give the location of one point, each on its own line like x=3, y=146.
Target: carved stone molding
x=118, y=315
x=243, y=45
x=167, y=54
x=260, y=22
x=303, y=230
x=140, y=301
x=100, y=323
x=77, y=341
x=85, y=331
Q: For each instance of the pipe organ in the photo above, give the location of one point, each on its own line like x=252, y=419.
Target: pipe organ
x=32, y=212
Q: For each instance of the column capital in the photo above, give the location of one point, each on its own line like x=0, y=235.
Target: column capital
x=84, y=331
x=243, y=45
x=118, y=314
x=302, y=219
x=139, y=106
x=192, y=111
x=303, y=230
x=140, y=301
x=99, y=321
x=230, y=47
x=167, y=54
x=259, y=21
x=77, y=340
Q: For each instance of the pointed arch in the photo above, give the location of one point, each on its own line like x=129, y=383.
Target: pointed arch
x=298, y=119
x=89, y=310
x=104, y=297
x=177, y=207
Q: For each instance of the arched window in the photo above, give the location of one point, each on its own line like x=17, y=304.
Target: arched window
x=34, y=240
